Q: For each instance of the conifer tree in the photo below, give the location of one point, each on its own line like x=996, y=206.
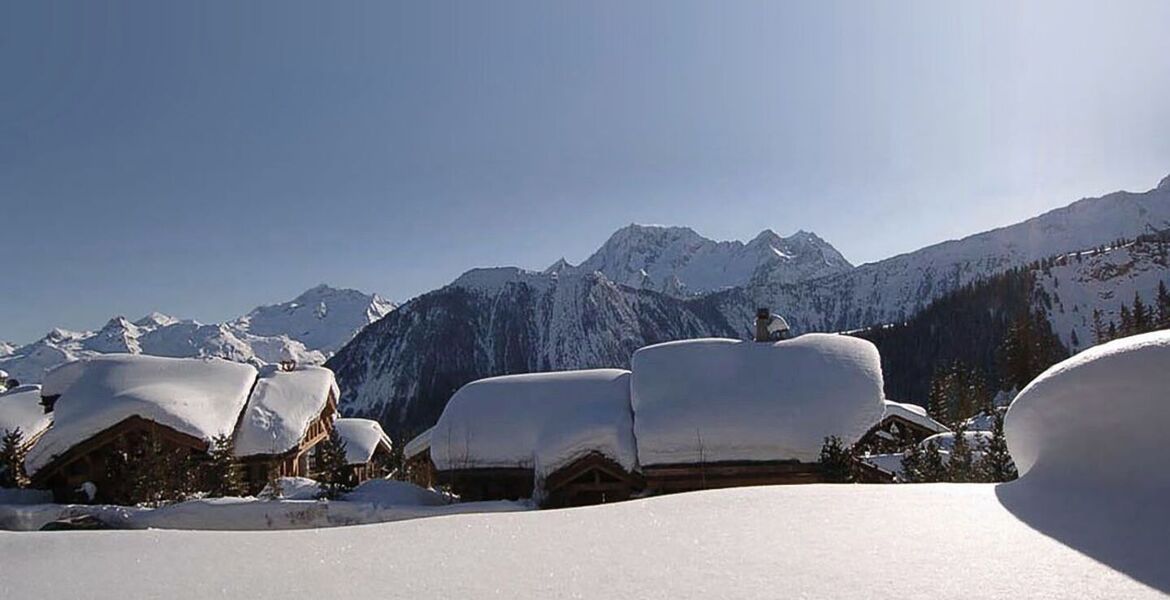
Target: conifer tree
x=1126, y=328
x=1100, y=336
x=1141, y=315
x=938, y=404
x=933, y=467
x=12, y=452
x=960, y=467
x=996, y=466
x=223, y=477
x=836, y=461
x=334, y=469
x=1163, y=306
x=912, y=464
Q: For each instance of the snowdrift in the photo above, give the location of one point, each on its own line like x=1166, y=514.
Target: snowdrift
x=281, y=407
x=1098, y=419
x=199, y=397
x=542, y=421
x=724, y=400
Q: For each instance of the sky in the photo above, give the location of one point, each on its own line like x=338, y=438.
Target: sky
x=203, y=158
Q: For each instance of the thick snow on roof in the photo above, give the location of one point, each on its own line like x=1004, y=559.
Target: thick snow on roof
x=281, y=408
x=362, y=437
x=976, y=440
x=723, y=400
x=1099, y=418
x=199, y=397
x=541, y=420
x=912, y=413
x=907, y=542
x=20, y=408
x=419, y=444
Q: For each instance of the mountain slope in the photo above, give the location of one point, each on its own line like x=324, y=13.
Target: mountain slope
x=403, y=369
x=306, y=329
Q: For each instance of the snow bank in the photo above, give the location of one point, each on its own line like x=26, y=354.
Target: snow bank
x=199, y=397
x=541, y=420
x=20, y=408
x=387, y=492
x=1098, y=419
x=728, y=400
x=909, y=542
x=281, y=408
x=362, y=437
x=912, y=413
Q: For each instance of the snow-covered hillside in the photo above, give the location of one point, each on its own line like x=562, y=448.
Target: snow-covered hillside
x=1102, y=281
x=679, y=262
x=307, y=329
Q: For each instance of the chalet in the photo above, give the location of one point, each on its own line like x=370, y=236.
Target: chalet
x=712, y=413
x=20, y=409
x=112, y=412
x=563, y=438
x=367, y=448
x=901, y=426
x=416, y=458
x=289, y=412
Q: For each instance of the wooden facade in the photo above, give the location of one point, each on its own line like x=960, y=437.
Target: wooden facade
x=299, y=461
x=668, y=479
x=893, y=434
x=420, y=470
x=592, y=479
x=475, y=485
x=93, y=460
x=374, y=468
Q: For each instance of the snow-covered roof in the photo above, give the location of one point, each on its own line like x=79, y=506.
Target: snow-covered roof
x=976, y=440
x=912, y=413
x=282, y=406
x=722, y=400
x=20, y=408
x=1099, y=418
x=199, y=397
x=362, y=437
x=419, y=444
x=540, y=420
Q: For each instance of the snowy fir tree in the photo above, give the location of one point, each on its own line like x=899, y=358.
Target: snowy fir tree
x=836, y=461
x=961, y=466
x=1162, y=309
x=933, y=467
x=334, y=473
x=12, y=452
x=222, y=469
x=996, y=465
x=913, y=460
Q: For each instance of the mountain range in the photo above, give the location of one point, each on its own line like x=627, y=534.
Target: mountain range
x=651, y=283
x=308, y=329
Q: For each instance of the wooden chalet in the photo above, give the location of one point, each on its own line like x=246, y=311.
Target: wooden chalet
x=901, y=426
x=687, y=477
x=367, y=448
x=298, y=461
x=416, y=455
x=591, y=479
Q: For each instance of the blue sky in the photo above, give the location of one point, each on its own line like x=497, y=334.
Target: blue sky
x=202, y=158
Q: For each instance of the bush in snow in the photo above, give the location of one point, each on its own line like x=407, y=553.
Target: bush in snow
x=836, y=461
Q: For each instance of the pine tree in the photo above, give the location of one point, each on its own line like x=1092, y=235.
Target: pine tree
x=1163, y=306
x=1142, y=321
x=836, y=461
x=222, y=470
x=912, y=464
x=933, y=467
x=1126, y=328
x=1100, y=336
x=12, y=452
x=1112, y=331
x=938, y=404
x=996, y=466
x=334, y=470
x=960, y=467
x=1076, y=342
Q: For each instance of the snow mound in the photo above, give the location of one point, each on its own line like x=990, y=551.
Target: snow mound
x=727, y=400
x=20, y=408
x=361, y=438
x=542, y=421
x=387, y=492
x=293, y=488
x=199, y=397
x=1099, y=418
x=281, y=407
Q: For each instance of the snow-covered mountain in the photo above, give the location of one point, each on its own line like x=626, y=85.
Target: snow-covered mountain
x=679, y=262
x=403, y=368
x=307, y=329
x=649, y=284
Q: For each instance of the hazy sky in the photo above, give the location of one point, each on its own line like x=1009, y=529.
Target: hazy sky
x=202, y=158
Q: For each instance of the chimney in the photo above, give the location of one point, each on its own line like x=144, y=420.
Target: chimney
x=288, y=365
x=763, y=317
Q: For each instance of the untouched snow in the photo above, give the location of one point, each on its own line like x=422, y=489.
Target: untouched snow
x=199, y=397
x=20, y=408
x=1098, y=419
x=542, y=420
x=361, y=438
x=908, y=542
x=281, y=407
x=723, y=400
